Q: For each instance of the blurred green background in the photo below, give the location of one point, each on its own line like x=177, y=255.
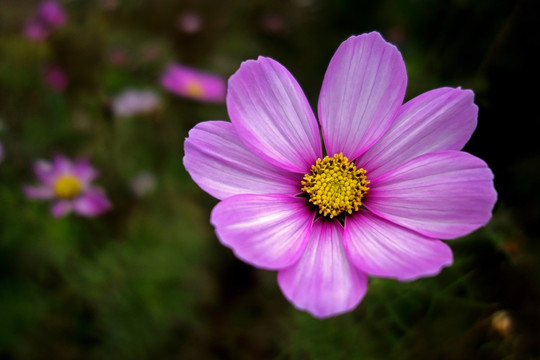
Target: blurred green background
x=149, y=280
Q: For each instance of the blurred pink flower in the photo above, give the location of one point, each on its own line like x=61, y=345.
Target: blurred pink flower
x=68, y=184
x=132, y=102
x=189, y=22
x=194, y=84
x=56, y=78
x=50, y=15
x=35, y=30
x=1, y=152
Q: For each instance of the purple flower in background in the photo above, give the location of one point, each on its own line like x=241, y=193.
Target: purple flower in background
x=50, y=15
x=56, y=78
x=393, y=184
x=193, y=84
x=1, y=152
x=68, y=184
x=132, y=102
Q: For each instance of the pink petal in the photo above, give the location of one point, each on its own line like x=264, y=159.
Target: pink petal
x=44, y=172
x=222, y=166
x=363, y=88
x=324, y=282
x=84, y=171
x=269, y=232
x=441, y=119
x=38, y=192
x=92, y=203
x=62, y=165
x=381, y=248
x=61, y=208
x=442, y=195
x=272, y=115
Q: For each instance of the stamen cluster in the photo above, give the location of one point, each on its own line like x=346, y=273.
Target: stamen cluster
x=335, y=185
x=67, y=187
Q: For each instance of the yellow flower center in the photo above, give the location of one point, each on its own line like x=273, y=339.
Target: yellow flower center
x=194, y=88
x=67, y=187
x=335, y=185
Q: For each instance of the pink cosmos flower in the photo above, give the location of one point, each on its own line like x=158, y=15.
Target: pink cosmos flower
x=69, y=185
x=194, y=84
x=393, y=183
x=50, y=15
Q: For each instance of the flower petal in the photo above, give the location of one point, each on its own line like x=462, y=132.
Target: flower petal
x=222, y=166
x=272, y=115
x=62, y=165
x=442, y=195
x=38, y=192
x=269, y=232
x=92, y=203
x=363, y=88
x=324, y=282
x=44, y=171
x=441, y=119
x=380, y=248
x=84, y=171
x=61, y=208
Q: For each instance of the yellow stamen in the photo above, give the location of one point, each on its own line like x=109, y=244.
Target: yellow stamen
x=67, y=187
x=194, y=88
x=335, y=185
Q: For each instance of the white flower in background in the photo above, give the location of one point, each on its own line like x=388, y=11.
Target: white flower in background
x=132, y=102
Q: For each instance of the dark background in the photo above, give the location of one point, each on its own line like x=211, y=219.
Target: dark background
x=150, y=280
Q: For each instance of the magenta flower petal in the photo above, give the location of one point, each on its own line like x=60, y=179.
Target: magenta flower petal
x=44, y=171
x=194, y=84
x=270, y=231
x=380, y=248
x=61, y=208
x=324, y=282
x=441, y=119
x=220, y=164
x=363, y=87
x=84, y=171
x=62, y=165
x=38, y=192
x=92, y=203
x=272, y=115
x=442, y=195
